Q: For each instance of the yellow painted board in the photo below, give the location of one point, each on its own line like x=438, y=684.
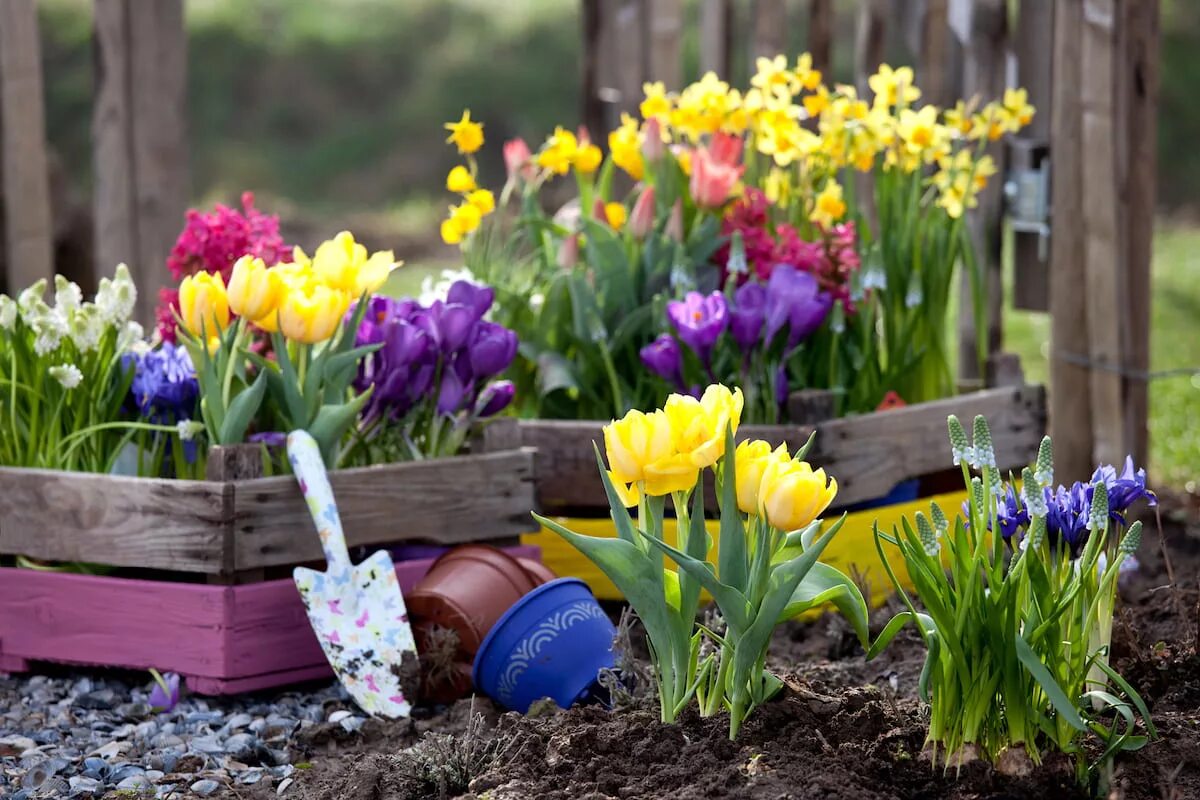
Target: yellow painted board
x=852, y=551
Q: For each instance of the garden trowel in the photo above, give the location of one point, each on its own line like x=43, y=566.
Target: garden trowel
x=357, y=612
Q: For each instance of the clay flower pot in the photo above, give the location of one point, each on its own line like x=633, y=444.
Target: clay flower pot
x=553, y=643
x=538, y=571
x=467, y=590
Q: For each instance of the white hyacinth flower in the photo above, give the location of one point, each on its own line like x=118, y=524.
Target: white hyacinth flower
x=8, y=312
x=188, y=428
x=131, y=334
x=68, y=296
x=87, y=327
x=30, y=301
x=117, y=297
x=66, y=374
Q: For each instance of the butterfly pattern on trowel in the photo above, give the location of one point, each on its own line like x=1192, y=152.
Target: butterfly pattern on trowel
x=357, y=612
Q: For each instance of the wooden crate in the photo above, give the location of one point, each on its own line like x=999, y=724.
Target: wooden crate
x=869, y=453
x=234, y=529
x=222, y=639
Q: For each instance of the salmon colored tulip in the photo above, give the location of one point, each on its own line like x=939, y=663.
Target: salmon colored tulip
x=518, y=160
x=641, y=221
x=713, y=178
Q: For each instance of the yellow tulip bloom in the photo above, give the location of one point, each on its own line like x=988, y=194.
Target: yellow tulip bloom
x=675, y=473
x=312, y=315
x=792, y=495
x=699, y=425
x=460, y=180
x=751, y=460
x=203, y=304
x=254, y=289
x=635, y=441
x=466, y=134
x=343, y=264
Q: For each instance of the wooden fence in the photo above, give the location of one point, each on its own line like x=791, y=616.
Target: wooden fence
x=1091, y=67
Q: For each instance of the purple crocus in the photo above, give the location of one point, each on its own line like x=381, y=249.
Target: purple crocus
x=451, y=393
x=1124, y=489
x=491, y=348
x=794, y=299
x=699, y=321
x=748, y=314
x=664, y=359
x=471, y=295
x=164, y=696
x=494, y=398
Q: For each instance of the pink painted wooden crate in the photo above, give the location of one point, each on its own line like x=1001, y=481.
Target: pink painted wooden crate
x=222, y=639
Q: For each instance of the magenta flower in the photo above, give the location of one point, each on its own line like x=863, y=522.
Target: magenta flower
x=700, y=321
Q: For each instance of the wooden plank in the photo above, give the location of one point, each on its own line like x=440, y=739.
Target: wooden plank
x=985, y=63
x=628, y=54
x=770, y=30
x=1033, y=47
x=112, y=147
x=158, y=97
x=445, y=501
x=1137, y=114
x=820, y=35
x=934, y=54
x=868, y=454
x=227, y=464
x=114, y=520
x=1070, y=390
x=29, y=233
x=869, y=42
x=665, y=61
x=716, y=32
x=592, y=111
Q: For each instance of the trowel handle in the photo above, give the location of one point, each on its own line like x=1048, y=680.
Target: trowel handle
x=309, y=468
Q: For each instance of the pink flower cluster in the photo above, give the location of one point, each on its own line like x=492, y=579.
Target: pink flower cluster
x=212, y=242
x=831, y=260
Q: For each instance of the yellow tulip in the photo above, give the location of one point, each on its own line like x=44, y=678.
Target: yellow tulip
x=792, y=495
x=751, y=460
x=343, y=264
x=254, y=290
x=310, y=315
x=675, y=473
x=699, y=425
x=636, y=441
x=203, y=304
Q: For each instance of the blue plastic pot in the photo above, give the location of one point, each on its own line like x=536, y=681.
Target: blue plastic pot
x=552, y=643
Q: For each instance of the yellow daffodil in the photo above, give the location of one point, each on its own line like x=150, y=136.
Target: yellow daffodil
x=1020, y=113
x=254, y=290
x=829, y=206
x=203, y=304
x=808, y=77
x=615, y=215
x=559, y=151
x=587, y=158
x=657, y=104
x=791, y=495
x=483, y=200
x=313, y=314
x=773, y=76
x=699, y=425
x=751, y=460
x=463, y=219
x=465, y=134
x=460, y=180
x=894, y=87
x=960, y=118
x=625, y=145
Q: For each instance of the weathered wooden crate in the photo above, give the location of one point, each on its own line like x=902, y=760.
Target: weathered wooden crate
x=238, y=527
x=869, y=453
x=221, y=639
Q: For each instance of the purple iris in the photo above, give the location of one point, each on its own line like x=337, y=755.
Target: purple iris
x=748, y=314
x=1011, y=514
x=164, y=387
x=491, y=348
x=1067, y=519
x=700, y=321
x=794, y=299
x=664, y=359
x=1124, y=489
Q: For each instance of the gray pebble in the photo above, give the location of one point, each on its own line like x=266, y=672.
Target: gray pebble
x=154, y=775
x=353, y=724
x=92, y=766
x=135, y=783
x=238, y=721
x=102, y=700
x=205, y=787
x=240, y=746
x=251, y=776
x=79, y=784
x=207, y=744
x=338, y=716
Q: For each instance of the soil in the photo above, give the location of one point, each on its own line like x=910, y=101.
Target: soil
x=842, y=728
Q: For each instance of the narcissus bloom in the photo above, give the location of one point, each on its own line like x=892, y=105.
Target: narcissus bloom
x=465, y=134
x=460, y=180
x=615, y=215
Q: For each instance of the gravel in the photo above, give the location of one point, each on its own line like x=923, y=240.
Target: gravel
x=94, y=735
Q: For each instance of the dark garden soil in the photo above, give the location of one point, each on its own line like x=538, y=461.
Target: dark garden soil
x=843, y=728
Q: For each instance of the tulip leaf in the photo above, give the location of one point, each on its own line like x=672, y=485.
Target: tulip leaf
x=293, y=403
x=801, y=540
x=732, y=559
x=895, y=625
x=620, y=515
x=825, y=584
x=331, y=424
x=803, y=451
x=1058, y=698
x=555, y=372
x=697, y=548
x=733, y=604
x=242, y=410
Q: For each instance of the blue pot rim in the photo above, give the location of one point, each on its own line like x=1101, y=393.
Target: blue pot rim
x=512, y=612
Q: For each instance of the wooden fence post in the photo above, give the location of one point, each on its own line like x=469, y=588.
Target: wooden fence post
x=664, y=60
x=769, y=30
x=592, y=107
x=869, y=42
x=716, y=29
x=29, y=233
x=820, y=35
x=139, y=139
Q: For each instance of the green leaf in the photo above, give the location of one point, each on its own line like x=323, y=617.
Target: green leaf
x=331, y=425
x=697, y=548
x=242, y=410
x=555, y=372
x=732, y=558
x=1131, y=693
x=617, y=510
x=733, y=604
x=825, y=584
x=1058, y=698
x=292, y=402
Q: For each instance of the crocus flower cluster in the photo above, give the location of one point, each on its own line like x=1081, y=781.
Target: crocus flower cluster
x=445, y=353
x=832, y=258
x=212, y=242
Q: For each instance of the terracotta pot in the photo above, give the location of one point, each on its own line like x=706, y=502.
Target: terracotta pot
x=538, y=571
x=445, y=677
x=467, y=590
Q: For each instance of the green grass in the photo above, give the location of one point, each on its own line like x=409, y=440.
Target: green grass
x=1174, y=344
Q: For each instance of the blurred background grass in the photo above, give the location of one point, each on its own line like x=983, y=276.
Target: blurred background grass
x=331, y=111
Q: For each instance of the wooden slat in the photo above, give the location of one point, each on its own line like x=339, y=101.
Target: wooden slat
x=820, y=35
x=1033, y=46
x=28, y=230
x=985, y=61
x=158, y=91
x=445, y=501
x=769, y=34
x=119, y=521
x=934, y=53
x=592, y=111
x=869, y=42
x=716, y=29
x=1138, y=68
x=1070, y=390
x=112, y=150
x=628, y=52
x=665, y=61
x=868, y=454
